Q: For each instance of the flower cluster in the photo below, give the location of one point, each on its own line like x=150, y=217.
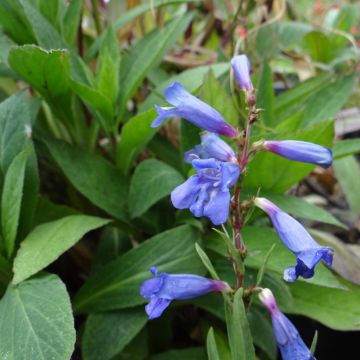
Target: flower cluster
x=208, y=193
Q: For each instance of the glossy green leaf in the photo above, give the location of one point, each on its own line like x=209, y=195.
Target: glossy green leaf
x=348, y=174
x=151, y=181
x=212, y=350
x=346, y=147
x=48, y=241
x=135, y=134
x=107, y=334
x=94, y=177
x=37, y=321
x=272, y=172
x=146, y=53
x=47, y=71
x=117, y=285
x=240, y=340
x=335, y=308
x=11, y=200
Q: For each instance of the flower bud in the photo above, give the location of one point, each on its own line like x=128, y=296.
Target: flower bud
x=301, y=151
x=194, y=110
x=241, y=67
x=288, y=339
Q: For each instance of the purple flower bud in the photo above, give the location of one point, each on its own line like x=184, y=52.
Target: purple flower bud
x=298, y=240
x=241, y=67
x=290, y=343
x=164, y=288
x=194, y=110
x=207, y=193
x=301, y=151
x=211, y=147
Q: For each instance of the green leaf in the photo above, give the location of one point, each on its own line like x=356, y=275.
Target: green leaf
x=326, y=102
x=129, y=16
x=45, y=33
x=11, y=200
x=117, y=284
x=192, y=353
x=347, y=171
x=97, y=179
x=272, y=172
x=346, y=147
x=48, y=241
x=135, y=135
x=5, y=274
x=71, y=20
x=151, y=181
x=146, y=53
x=335, y=308
x=17, y=113
x=240, y=340
x=294, y=99
x=107, y=334
x=206, y=261
x=299, y=207
x=96, y=101
x=214, y=93
x=37, y=321
x=108, y=65
x=190, y=79
x=262, y=332
x=265, y=95
x=212, y=350
x=47, y=71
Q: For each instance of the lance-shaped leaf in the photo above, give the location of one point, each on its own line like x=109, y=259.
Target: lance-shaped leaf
x=48, y=241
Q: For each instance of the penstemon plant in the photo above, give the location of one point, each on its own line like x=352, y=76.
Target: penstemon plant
x=215, y=192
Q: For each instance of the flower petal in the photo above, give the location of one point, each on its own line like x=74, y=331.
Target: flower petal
x=185, y=194
x=241, y=67
x=156, y=307
x=217, y=208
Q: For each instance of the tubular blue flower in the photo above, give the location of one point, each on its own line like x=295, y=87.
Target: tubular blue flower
x=290, y=343
x=301, y=151
x=298, y=240
x=241, y=67
x=207, y=193
x=164, y=288
x=211, y=147
x=194, y=110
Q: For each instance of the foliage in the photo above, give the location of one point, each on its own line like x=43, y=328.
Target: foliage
x=85, y=180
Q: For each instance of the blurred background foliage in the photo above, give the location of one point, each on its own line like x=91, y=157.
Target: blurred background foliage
x=85, y=181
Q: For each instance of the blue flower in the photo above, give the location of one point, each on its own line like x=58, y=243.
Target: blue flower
x=241, y=67
x=211, y=147
x=164, y=288
x=194, y=110
x=207, y=193
x=298, y=240
x=301, y=151
x=290, y=343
